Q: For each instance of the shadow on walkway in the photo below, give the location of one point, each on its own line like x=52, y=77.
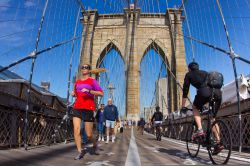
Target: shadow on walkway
x=33, y=158
x=182, y=155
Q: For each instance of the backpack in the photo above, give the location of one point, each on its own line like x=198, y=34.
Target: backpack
x=215, y=80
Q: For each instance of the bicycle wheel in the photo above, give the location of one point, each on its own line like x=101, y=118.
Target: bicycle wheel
x=220, y=143
x=158, y=134
x=193, y=145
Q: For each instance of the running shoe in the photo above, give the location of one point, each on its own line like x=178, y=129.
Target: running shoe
x=79, y=156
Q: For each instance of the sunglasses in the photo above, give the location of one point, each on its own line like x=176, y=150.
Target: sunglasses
x=85, y=67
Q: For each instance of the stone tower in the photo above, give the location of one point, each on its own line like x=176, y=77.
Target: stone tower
x=132, y=33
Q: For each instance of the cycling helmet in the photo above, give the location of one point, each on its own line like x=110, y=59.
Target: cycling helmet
x=193, y=66
x=157, y=108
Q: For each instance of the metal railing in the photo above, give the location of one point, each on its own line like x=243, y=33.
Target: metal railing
x=41, y=129
x=45, y=118
x=177, y=128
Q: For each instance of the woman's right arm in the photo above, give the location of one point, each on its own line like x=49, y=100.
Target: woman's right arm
x=73, y=93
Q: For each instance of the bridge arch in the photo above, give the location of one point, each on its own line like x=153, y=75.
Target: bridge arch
x=111, y=45
x=155, y=46
x=162, y=53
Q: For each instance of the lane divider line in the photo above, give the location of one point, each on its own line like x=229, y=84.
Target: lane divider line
x=133, y=157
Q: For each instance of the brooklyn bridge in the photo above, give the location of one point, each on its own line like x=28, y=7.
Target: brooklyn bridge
x=139, y=52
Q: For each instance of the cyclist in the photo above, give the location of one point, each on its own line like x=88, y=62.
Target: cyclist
x=141, y=125
x=157, y=118
x=197, y=78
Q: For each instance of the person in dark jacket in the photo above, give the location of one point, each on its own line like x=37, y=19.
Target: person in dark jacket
x=100, y=122
x=198, y=79
x=157, y=116
x=141, y=125
x=110, y=116
x=156, y=119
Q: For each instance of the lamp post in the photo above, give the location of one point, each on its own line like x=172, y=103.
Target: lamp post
x=111, y=90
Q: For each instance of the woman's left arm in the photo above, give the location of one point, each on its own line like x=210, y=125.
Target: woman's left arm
x=96, y=93
x=97, y=90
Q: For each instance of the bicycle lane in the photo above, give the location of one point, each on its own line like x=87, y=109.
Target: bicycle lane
x=170, y=152
x=154, y=152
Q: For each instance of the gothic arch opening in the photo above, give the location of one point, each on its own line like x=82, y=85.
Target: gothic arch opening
x=154, y=81
x=113, y=82
x=106, y=50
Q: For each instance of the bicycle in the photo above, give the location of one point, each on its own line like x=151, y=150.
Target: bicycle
x=158, y=131
x=217, y=134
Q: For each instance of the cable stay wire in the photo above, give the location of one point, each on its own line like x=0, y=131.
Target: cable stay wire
x=189, y=32
x=33, y=54
x=207, y=44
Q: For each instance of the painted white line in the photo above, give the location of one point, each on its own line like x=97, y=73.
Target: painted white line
x=98, y=163
x=201, y=149
x=239, y=158
x=110, y=153
x=204, y=150
x=189, y=161
x=133, y=157
x=153, y=149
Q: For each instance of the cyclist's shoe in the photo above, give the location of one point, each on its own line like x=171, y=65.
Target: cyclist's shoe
x=217, y=149
x=198, y=134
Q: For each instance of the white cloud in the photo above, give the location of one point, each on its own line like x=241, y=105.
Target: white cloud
x=4, y=3
x=29, y=3
x=11, y=31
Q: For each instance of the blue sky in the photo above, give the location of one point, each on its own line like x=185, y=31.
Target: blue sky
x=206, y=24
x=152, y=69
x=114, y=76
x=20, y=19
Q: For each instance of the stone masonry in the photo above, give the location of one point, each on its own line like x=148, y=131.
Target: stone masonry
x=103, y=32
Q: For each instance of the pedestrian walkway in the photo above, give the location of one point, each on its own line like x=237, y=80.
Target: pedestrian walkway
x=130, y=148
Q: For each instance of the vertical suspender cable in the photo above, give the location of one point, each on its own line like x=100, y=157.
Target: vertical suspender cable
x=69, y=76
x=192, y=46
x=168, y=68
x=31, y=75
x=232, y=55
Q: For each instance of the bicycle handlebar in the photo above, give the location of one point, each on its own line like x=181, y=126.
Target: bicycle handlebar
x=185, y=109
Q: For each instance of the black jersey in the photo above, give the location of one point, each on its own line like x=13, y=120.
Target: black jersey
x=157, y=116
x=196, y=78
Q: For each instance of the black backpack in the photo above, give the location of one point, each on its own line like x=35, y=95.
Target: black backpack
x=215, y=80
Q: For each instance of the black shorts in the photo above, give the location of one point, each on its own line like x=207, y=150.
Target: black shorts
x=85, y=115
x=203, y=95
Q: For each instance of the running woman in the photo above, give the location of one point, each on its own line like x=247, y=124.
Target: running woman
x=84, y=90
